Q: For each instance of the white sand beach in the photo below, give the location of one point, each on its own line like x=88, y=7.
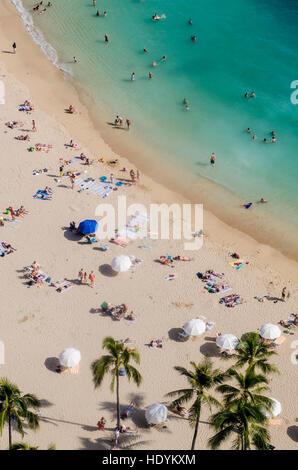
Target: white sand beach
x=38, y=323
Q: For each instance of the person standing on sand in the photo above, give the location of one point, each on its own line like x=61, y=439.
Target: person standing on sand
x=72, y=180
x=283, y=294
x=61, y=170
x=85, y=277
x=212, y=159
x=81, y=275
x=33, y=126
x=128, y=123
x=92, y=278
x=14, y=48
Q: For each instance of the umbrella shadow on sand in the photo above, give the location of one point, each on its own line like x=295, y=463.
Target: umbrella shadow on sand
x=51, y=363
x=210, y=349
x=174, y=335
x=72, y=236
x=292, y=432
x=106, y=270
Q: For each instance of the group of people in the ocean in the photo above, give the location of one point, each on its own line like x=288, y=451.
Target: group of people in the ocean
x=40, y=5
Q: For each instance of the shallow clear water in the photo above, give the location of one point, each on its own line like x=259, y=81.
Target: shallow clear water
x=242, y=46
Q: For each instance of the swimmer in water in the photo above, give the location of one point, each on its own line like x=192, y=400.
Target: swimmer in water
x=263, y=201
x=104, y=13
x=254, y=137
x=194, y=38
x=156, y=17
x=163, y=58
x=75, y=60
x=98, y=13
x=273, y=140
x=106, y=38
x=154, y=64
x=246, y=95
x=145, y=50
x=186, y=107
x=94, y=3
x=212, y=159
x=150, y=75
x=190, y=21
x=133, y=77
x=273, y=133
x=253, y=95
x=185, y=101
x=248, y=130
x=265, y=141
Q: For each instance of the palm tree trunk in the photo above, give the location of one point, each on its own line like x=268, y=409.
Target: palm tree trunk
x=118, y=401
x=195, y=433
x=9, y=431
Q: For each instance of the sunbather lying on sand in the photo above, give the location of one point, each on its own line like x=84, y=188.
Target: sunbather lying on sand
x=131, y=316
x=43, y=147
x=166, y=260
x=155, y=343
x=21, y=212
x=182, y=258
x=232, y=300
x=6, y=249
x=13, y=124
x=180, y=410
x=23, y=137
x=128, y=410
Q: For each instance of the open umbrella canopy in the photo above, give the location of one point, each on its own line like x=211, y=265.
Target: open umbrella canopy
x=87, y=227
x=70, y=357
x=156, y=413
x=195, y=327
x=275, y=409
x=269, y=331
x=227, y=341
x=121, y=263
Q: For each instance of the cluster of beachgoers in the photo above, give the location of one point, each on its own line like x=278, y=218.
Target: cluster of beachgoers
x=223, y=378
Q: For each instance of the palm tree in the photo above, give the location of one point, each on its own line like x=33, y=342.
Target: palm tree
x=255, y=353
x=15, y=406
x=243, y=411
x=248, y=389
x=118, y=357
x=201, y=378
x=24, y=446
x=244, y=419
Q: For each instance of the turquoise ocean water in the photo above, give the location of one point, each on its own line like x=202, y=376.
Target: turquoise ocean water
x=241, y=46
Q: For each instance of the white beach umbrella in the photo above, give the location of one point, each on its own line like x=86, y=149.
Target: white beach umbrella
x=70, y=357
x=121, y=263
x=275, y=409
x=269, y=331
x=195, y=327
x=156, y=413
x=227, y=341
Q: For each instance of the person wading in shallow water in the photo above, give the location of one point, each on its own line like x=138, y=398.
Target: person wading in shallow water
x=212, y=159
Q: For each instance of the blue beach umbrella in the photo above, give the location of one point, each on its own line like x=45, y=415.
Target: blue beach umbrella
x=88, y=226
